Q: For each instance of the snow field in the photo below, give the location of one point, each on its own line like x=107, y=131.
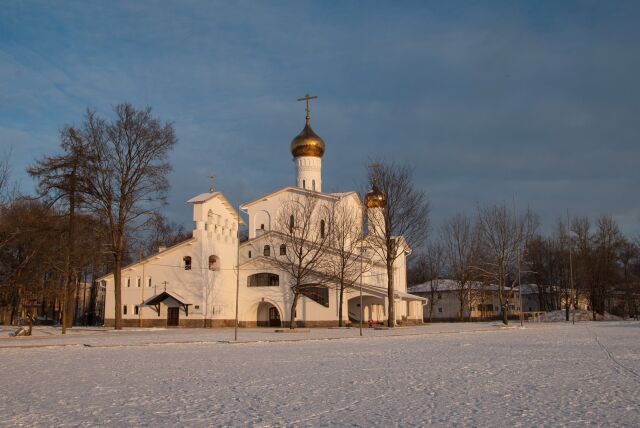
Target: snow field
x=543, y=375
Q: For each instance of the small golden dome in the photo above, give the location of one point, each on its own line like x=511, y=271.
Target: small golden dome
x=307, y=143
x=375, y=198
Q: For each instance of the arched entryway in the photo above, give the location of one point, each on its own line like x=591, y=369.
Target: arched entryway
x=268, y=315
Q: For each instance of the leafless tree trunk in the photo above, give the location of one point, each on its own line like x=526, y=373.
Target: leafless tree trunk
x=403, y=223
x=297, y=226
x=504, y=236
x=459, y=240
x=627, y=255
x=58, y=178
x=431, y=263
x=126, y=179
x=344, y=262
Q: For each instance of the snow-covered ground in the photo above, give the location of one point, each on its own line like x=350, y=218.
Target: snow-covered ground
x=547, y=374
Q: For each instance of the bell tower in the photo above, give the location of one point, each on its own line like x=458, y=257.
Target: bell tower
x=307, y=149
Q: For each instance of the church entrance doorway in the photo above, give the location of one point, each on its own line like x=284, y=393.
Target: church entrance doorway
x=274, y=317
x=173, y=317
x=268, y=315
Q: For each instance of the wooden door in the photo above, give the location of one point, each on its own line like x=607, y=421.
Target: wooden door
x=274, y=317
x=173, y=317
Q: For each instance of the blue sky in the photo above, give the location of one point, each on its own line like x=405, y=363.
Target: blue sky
x=486, y=100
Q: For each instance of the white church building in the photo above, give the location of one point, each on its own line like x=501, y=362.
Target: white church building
x=194, y=283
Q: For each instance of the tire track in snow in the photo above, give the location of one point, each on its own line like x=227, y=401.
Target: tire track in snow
x=636, y=376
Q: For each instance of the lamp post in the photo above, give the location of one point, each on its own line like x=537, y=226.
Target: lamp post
x=361, y=262
x=235, y=324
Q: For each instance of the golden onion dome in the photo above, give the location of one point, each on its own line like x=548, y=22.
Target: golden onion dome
x=375, y=198
x=307, y=143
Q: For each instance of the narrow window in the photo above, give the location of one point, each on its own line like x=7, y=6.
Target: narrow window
x=187, y=262
x=262, y=226
x=249, y=253
x=283, y=250
x=313, y=184
x=439, y=309
x=139, y=282
x=266, y=251
x=322, y=228
x=124, y=309
x=213, y=262
x=149, y=282
x=128, y=282
x=136, y=310
x=291, y=223
x=304, y=184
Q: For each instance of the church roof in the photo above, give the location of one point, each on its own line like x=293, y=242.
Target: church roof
x=204, y=197
x=151, y=256
x=290, y=189
x=154, y=300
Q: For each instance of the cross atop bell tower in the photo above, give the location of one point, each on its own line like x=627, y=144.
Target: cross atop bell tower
x=307, y=98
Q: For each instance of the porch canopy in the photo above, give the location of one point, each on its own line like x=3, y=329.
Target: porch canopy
x=154, y=301
x=382, y=292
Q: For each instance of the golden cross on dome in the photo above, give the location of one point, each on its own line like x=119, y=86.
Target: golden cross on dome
x=306, y=98
x=211, y=177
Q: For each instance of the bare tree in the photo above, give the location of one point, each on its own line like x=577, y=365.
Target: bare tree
x=344, y=263
x=628, y=254
x=161, y=232
x=504, y=236
x=403, y=222
x=607, y=241
x=126, y=180
x=298, y=227
x=432, y=262
x=31, y=234
x=59, y=179
x=460, y=242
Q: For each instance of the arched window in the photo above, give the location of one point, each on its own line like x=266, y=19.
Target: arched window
x=262, y=226
x=291, y=223
x=322, y=228
x=263, y=280
x=187, y=262
x=266, y=251
x=283, y=250
x=213, y=262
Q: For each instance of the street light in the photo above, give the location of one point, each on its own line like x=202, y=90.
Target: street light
x=235, y=325
x=361, y=262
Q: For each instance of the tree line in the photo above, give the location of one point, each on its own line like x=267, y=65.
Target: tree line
x=96, y=208
x=579, y=261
